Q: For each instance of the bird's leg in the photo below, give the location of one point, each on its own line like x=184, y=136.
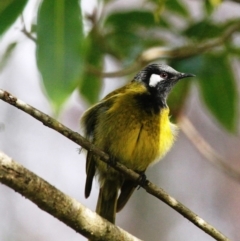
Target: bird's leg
x=111, y=161
x=142, y=179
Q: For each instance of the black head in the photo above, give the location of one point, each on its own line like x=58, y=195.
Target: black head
x=159, y=80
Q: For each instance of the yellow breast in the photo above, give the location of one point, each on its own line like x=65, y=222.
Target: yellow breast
x=136, y=138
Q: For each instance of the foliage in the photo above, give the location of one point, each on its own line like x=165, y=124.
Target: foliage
x=69, y=58
x=9, y=12
x=59, y=47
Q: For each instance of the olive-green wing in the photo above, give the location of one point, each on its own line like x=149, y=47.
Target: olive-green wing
x=89, y=122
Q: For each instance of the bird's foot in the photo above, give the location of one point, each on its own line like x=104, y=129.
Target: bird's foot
x=142, y=180
x=111, y=161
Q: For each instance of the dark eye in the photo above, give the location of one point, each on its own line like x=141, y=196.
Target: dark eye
x=163, y=75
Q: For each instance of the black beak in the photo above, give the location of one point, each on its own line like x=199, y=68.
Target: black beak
x=183, y=75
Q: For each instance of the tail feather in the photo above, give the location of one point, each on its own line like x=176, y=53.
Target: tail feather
x=107, y=200
x=90, y=170
x=127, y=189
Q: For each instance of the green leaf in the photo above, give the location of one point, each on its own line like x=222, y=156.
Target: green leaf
x=125, y=44
x=178, y=96
x=9, y=12
x=191, y=65
x=233, y=50
x=177, y=7
x=180, y=92
x=208, y=7
x=203, y=30
x=60, y=47
x=7, y=55
x=211, y=5
x=133, y=19
x=174, y=6
x=91, y=86
x=128, y=45
x=218, y=88
x=127, y=34
x=91, y=83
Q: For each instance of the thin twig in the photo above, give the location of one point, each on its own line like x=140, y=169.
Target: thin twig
x=157, y=53
x=28, y=34
x=205, y=149
x=148, y=186
x=50, y=199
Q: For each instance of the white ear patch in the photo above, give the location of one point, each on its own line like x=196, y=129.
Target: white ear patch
x=154, y=80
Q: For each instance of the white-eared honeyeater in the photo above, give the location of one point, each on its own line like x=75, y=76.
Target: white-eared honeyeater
x=132, y=125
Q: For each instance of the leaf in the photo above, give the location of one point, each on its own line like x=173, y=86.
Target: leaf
x=91, y=86
x=218, y=89
x=127, y=34
x=60, y=48
x=178, y=96
x=125, y=44
x=211, y=5
x=180, y=92
x=7, y=55
x=177, y=7
x=192, y=65
x=128, y=45
x=133, y=19
x=217, y=86
x=203, y=30
x=233, y=50
x=209, y=8
x=90, y=83
x=9, y=12
x=126, y=39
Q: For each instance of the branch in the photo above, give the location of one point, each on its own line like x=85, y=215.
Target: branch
x=27, y=33
x=58, y=204
x=148, y=186
x=205, y=149
x=156, y=53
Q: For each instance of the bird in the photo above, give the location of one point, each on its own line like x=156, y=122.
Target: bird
x=132, y=125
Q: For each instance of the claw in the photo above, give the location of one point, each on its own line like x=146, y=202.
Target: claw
x=112, y=161
x=142, y=180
